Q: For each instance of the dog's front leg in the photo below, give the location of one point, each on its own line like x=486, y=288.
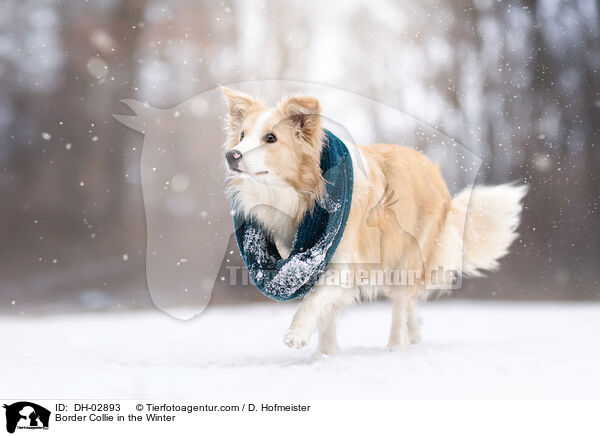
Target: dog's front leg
x=327, y=336
x=319, y=306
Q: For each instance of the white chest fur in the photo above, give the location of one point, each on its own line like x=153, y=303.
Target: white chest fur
x=274, y=204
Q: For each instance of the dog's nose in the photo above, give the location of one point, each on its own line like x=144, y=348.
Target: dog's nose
x=233, y=159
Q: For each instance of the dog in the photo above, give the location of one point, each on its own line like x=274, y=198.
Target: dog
x=402, y=216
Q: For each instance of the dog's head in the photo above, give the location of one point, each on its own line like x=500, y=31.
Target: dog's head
x=278, y=148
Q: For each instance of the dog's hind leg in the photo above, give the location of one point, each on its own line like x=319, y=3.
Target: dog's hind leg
x=414, y=322
x=399, y=333
x=320, y=305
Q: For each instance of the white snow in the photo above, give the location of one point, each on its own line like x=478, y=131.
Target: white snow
x=469, y=350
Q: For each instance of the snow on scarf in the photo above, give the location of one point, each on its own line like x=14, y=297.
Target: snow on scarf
x=317, y=237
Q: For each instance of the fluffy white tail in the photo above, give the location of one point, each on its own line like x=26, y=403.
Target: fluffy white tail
x=480, y=227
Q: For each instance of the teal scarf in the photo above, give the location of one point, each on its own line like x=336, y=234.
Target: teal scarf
x=317, y=237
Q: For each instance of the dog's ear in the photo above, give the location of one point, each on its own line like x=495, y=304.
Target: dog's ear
x=304, y=112
x=240, y=105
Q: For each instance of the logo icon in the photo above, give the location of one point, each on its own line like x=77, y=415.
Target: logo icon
x=26, y=415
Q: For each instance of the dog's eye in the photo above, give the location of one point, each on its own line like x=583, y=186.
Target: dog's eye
x=270, y=138
x=242, y=135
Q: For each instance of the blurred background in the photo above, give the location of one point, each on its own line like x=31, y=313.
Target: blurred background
x=517, y=82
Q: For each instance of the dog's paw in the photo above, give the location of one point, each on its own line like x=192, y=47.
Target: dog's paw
x=295, y=339
x=415, y=337
x=396, y=347
x=398, y=344
x=326, y=351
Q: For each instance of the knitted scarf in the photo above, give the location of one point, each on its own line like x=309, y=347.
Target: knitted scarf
x=317, y=237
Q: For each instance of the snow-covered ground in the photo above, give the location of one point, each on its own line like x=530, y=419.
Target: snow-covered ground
x=469, y=350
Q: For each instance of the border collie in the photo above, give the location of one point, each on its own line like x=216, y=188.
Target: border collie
x=402, y=216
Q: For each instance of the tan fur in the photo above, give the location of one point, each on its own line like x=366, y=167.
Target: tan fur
x=412, y=223
x=402, y=216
